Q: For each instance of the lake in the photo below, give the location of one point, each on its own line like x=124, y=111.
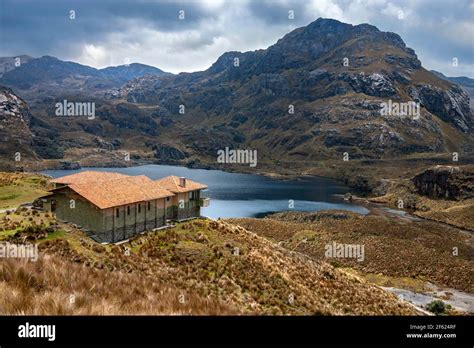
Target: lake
x=247, y=195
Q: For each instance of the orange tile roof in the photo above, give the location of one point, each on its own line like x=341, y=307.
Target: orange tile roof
x=171, y=183
x=88, y=176
x=116, y=190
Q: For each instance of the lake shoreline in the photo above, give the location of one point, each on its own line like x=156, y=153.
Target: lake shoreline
x=271, y=174
x=247, y=194
x=384, y=189
x=268, y=174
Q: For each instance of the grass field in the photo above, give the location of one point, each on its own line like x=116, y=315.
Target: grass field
x=420, y=250
x=18, y=188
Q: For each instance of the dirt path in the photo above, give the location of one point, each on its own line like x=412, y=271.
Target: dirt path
x=459, y=300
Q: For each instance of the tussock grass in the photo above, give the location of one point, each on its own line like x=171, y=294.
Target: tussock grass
x=218, y=267
x=419, y=250
x=53, y=286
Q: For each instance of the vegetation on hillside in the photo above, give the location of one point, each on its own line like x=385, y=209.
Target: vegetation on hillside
x=18, y=188
x=393, y=247
x=199, y=267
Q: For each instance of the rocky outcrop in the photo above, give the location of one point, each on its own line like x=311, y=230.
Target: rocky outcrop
x=67, y=165
x=375, y=84
x=15, y=134
x=450, y=105
x=450, y=182
x=271, y=85
x=409, y=62
x=166, y=153
x=13, y=107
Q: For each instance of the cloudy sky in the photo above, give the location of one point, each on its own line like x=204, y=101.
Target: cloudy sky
x=115, y=32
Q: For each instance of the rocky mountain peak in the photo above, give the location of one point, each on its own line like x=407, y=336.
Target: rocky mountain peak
x=327, y=33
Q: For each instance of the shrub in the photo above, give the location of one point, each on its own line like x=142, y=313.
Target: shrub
x=438, y=307
x=411, y=202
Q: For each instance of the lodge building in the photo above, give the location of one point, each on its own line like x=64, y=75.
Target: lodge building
x=112, y=207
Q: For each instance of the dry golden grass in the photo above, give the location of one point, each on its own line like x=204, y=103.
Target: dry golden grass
x=394, y=247
x=198, y=259
x=460, y=214
x=47, y=286
x=456, y=213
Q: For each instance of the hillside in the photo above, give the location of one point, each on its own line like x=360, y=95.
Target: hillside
x=199, y=267
x=442, y=193
x=273, y=265
x=395, y=247
x=9, y=63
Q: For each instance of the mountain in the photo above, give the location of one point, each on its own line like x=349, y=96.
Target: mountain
x=314, y=95
x=10, y=63
x=126, y=73
x=39, y=78
x=45, y=70
x=463, y=81
x=336, y=107
x=15, y=134
x=460, y=80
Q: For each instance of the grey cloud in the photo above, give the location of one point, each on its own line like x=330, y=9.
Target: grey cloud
x=150, y=32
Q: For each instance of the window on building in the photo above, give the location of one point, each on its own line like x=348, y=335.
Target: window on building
x=149, y=205
x=139, y=208
x=194, y=195
x=53, y=205
x=117, y=212
x=128, y=210
x=167, y=199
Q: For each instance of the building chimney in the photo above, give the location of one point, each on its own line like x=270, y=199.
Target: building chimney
x=182, y=181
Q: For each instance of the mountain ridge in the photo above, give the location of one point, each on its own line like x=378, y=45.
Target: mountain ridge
x=465, y=82
x=332, y=75
x=379, y=65
x=56, y=75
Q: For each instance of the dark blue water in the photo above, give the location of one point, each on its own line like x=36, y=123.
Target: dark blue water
x=246, y=195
